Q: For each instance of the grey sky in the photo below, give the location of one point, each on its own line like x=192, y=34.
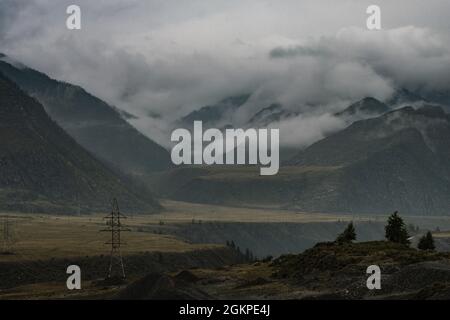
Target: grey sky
x=167, y=57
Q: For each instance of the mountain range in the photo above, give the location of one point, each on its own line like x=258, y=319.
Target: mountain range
x=43, y=169
x=398, y=160
x=220, y=114
x=388, y=157
x=98, y=127
x=366, y=108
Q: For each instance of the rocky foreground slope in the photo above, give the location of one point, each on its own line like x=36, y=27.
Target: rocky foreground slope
x=327, y=271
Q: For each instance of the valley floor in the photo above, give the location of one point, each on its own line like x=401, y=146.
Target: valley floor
x=183, y=237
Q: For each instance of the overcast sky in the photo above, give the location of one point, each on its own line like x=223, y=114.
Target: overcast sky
x=160, y=59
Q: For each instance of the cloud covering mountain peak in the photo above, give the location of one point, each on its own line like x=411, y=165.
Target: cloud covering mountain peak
x=169, y=58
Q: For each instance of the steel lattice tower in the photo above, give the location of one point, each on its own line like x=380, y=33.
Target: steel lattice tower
x=115, y=227
x=7, y=235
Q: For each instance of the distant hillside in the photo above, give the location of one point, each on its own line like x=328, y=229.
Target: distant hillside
x=397, y=161
x=94, y=124
x=215, y=115
x=400, y=161
x=42, y=169
x=266, y=116
x=403, y=96
x=363, y=109
x=220, y=114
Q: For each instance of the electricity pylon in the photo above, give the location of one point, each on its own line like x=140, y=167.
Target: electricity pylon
x=7, y=235
x=115, y=227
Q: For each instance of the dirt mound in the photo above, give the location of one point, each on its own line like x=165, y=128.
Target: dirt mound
x=156, y=286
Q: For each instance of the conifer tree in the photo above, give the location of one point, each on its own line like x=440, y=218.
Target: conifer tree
x=426, y=242
x=396, y=230
x=348, y=235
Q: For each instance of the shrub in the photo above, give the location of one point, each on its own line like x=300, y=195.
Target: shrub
x=426, y=242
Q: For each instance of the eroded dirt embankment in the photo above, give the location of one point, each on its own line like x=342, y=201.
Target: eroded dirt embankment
x=18, y=273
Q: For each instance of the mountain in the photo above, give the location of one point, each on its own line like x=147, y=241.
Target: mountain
x=215, y=115
x=397, y=161
x=439, y=98
x=366, y=108
x=43, y=169
x=425, y=127
x=273, y=113
x=403, y=97
x=95, y=125
x=220, y=115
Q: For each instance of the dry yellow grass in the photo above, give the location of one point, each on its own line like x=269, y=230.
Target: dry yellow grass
x=180, y=212
x=445, y=234
x=253, y=172
x=44, y=237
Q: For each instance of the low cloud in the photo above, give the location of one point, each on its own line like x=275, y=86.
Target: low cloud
x=410, y=57
x=301, y=131
x=160, y=60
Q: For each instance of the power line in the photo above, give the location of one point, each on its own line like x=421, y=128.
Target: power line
x=115, y=227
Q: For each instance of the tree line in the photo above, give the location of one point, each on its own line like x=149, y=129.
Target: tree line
x=395, y=231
